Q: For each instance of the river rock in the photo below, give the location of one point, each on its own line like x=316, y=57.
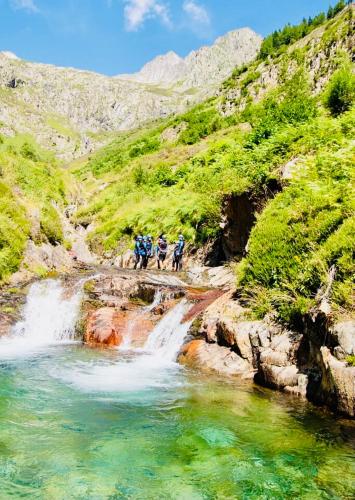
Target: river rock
x=337, y=388
x=102, y=328
x=222, y=360
x=278, y=377
x=237, y=336
x=343, y=335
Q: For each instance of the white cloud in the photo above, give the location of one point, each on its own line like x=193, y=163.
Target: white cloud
x=197, y=12
x=138, y=11
x=28, y=5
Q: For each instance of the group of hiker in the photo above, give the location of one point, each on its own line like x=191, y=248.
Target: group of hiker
x=144, y=249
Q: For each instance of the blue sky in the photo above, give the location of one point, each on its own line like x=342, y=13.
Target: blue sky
x=119, y=36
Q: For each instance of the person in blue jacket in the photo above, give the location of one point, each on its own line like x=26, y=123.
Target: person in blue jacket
x=140, y=253
x=149, y=245
x=178, y=253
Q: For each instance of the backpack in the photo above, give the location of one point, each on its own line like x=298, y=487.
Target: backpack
x=142, y=249
x=163, y=246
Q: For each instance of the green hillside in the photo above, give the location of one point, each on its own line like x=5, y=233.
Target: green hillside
x=30, y=184
x=174, y=176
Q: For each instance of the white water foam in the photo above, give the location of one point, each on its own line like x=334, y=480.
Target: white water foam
x=168, y=336
x=49, y=317
x=154, y=367
x=126, y=344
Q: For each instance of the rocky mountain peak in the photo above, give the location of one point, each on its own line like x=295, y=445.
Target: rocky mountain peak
x=208, y=64
x=61, y=106
x=9, y=55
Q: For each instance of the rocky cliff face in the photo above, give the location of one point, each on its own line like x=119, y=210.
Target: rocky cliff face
x=208, y=64
x=74, y=111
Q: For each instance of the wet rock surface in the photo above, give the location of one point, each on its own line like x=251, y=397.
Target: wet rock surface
x=123, y=307
x=311, y=364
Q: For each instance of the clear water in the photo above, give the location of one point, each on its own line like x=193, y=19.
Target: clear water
x=86, y=424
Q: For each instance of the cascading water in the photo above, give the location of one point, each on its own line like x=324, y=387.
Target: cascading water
x=128, y=336
x=137, y=370
x=49, y=317
x=168, y=336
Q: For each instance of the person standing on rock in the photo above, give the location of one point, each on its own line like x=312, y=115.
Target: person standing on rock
x=145, y=253
x=178, y=254
x=162, y=250
x=149, y=245
x=140, y=252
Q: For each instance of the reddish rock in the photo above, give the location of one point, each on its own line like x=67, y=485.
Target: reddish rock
x=204, y=300
x=103, y=328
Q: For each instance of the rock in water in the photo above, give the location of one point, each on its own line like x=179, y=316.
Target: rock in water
x=102, y=328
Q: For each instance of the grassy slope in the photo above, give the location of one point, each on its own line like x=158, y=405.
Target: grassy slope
x=30, y=182
x=141, y=183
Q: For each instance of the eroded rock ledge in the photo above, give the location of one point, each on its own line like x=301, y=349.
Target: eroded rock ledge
x=311, y=364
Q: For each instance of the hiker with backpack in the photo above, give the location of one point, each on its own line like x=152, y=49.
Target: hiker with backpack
x=140, y=253
x=178, y=253
x=162, y=250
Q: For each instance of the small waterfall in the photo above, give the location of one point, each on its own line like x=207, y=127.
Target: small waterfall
x=128, y=336
x=168, y=336
x=49, y=317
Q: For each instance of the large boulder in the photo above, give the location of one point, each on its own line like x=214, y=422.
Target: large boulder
x=337, y=387
x=237, y=336
x=102, y=328
x=222, y=360
x=342, y=336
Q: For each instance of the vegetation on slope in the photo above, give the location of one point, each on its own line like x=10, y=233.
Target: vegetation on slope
x=146, y=183
x=30, y=182
x=279, y=40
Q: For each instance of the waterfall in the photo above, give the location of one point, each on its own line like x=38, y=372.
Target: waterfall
x=168, y=336
x=128, y=336
x=49, y=317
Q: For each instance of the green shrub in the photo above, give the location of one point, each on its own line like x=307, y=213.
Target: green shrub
x=340, y=93
x=51, y=225
x=302, y=233
x=14, y=231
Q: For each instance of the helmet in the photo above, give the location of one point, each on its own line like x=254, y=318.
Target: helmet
x=149, y=237
x=139, y=237
x=163, y=237
x=181, y=237
x=144, y=238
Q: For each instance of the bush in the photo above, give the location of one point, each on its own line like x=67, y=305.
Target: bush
x=51, y=225
x=340, y=94
x=14, y=231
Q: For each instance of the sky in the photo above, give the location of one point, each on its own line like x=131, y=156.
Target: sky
x=120, y=36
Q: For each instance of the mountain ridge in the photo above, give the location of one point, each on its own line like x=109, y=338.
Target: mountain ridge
x=74, y=111
x=234, y=45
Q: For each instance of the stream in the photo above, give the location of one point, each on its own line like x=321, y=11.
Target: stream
x=81, y=423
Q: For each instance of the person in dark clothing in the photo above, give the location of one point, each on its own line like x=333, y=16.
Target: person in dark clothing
x=178, y=253
x=162, y=250
x=145, y=256
x=140, y=253
x=149, y=245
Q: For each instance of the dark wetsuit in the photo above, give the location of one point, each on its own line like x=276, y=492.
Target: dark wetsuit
x=178, y=254
x=162, y=250
x=140, y=252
